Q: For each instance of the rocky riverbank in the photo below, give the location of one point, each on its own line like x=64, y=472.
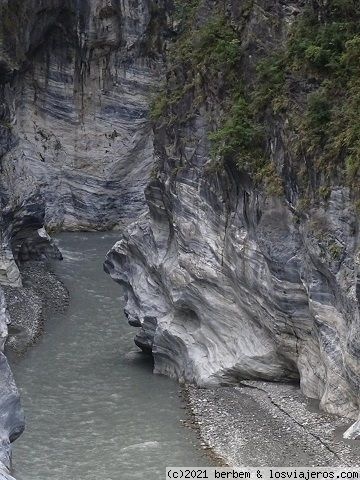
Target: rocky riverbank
x=269, y=424
x=23, y=312
x=42, y=294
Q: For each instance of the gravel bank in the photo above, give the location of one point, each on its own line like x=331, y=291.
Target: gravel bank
x=269, y=424
x=29, y=306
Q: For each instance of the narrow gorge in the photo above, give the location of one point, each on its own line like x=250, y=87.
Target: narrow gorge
x=218, y=141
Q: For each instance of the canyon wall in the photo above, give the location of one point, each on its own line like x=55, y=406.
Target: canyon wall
x=76, y=143
x=233, y=268
x=12, y=416
x=228, y=278
x=76, y=147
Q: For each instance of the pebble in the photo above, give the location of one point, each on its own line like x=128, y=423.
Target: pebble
x=264, y=425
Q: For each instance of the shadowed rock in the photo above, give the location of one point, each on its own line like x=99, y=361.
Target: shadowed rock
x=12, y=421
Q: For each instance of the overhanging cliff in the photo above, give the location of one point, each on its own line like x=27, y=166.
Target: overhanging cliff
x=246, y=264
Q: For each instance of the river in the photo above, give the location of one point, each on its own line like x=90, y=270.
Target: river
x=93, y=408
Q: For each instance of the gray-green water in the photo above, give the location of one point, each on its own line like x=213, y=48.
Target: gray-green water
x=93, y=408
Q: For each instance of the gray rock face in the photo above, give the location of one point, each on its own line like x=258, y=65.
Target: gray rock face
x=224, y=282
x=240, y=288
x=11, y=413
x=237, y=284
x=76, y=144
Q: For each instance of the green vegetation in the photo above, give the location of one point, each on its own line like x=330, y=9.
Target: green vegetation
x=209, y=54
x=270, y=84
x=185, y=12
x=158, y=107
x=311, y=87
x=335, y=251
x=329, y=52
x=323, y=53
x=240, y=137
x=202, y=53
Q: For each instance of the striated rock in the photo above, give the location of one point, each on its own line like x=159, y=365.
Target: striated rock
x=76, y=144
x=224, y=281
x=240, y=284
x=239, y=287
x=229, y=296
x=11, y=413
x=77, y=109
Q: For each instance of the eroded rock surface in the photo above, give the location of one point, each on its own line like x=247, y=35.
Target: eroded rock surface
x=239, y=289
x=229, y=282
x=76, y=144
x=12, y=416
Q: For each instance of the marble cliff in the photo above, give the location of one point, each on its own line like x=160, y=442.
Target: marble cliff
x=238, y=249
x=76, y=145
x=12, y=416
x=234, y=273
